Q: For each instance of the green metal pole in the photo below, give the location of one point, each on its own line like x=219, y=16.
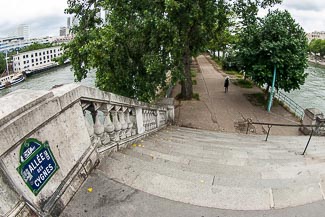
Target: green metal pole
x=272, y=90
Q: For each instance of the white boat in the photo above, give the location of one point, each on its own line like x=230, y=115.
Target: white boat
x=10, y=80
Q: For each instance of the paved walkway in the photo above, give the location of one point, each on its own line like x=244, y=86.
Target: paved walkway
x=222, y=111
x=112, y=199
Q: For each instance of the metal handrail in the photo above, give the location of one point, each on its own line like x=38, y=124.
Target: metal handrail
x=297, y=109
x=270, y=125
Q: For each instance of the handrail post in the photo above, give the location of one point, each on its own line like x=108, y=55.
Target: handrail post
x=249, y=122
x=311, y=134
x=268, y=132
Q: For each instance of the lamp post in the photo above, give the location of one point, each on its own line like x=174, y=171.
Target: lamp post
x=272, y=91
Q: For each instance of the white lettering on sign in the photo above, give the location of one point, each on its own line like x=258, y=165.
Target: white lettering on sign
x=45, y=173
x=37, y=161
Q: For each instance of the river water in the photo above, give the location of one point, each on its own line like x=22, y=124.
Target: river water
x=310, y=95
x=46, y=80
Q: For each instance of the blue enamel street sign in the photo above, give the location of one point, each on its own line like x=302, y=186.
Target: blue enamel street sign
x=37, y=164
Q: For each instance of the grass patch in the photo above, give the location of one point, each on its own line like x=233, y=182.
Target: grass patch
x=257, y=99
x=217, y=61
x=195, y=96
x=232, y=72
x=194, y=82
x=243, y=83
x=260, y=99
x=193, y=73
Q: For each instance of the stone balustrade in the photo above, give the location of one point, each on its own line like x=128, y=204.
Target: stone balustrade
x=80, y=125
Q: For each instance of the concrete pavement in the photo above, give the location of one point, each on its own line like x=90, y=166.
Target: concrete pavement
x=112, y=199
x=221, y=111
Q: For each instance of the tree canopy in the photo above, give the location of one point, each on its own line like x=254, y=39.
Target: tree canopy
x=317, y=47
x=143, y=39
x=2, y=62
x=276, y=40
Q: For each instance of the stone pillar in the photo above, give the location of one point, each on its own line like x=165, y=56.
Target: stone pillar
x=171, y=113
x=310, y=118
x=139, y=120
x=158, y=118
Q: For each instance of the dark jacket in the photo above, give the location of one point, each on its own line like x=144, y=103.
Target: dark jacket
x=226, y=84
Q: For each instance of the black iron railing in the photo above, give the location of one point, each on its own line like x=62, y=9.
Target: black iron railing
x=270, y=125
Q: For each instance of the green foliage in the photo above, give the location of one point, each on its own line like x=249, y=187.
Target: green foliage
x=144, y=39
x=196, y=96
x=243, y=83
x=141, y=42
x=36, y=46
x=275, y=40
x=317, y=46
x=220, y=33
x=257, y=99
x=2, y=63
x=194, y=82
x=193, y=73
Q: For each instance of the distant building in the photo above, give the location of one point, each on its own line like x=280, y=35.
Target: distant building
x=23, y=31
x=36, y=59
x=316, y=35
x=16, y=43
x=75, y=21
x=63, y=31
x=69, y=22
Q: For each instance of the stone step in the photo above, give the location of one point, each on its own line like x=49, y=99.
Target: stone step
x=275, y=146
x=217, y=196
x=286, y=140
x=210, y=169
x=215, y=153
x=208, y=179
x=241, y=142
x=188, y=192
x=215, y=144
x=265, y=172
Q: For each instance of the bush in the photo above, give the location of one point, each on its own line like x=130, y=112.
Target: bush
x=243, y=83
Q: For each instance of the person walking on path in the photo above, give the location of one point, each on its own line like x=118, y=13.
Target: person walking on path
x=226, y=84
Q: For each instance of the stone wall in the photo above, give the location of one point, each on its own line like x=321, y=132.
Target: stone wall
x=314, y=118
x=81, y=125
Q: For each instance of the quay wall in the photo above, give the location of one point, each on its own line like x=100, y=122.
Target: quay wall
x=80, y=125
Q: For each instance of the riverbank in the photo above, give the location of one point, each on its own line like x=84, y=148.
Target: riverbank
x=47, y=79
x=317, y=64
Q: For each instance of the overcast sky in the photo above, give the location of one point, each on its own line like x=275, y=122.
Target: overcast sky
x=46, y=16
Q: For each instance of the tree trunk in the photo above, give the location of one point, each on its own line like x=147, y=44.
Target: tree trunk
x=218, y=54
x=187, y=88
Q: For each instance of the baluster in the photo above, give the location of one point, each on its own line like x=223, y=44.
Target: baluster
x=109, y=126
x=129, y=124
x=117, y=126
x=99, y=129
x=153, y=121
x=145, y=120
x=90, y=128
x=124, y=125
x=152, y=125
x=133, y=120
x=98, y=126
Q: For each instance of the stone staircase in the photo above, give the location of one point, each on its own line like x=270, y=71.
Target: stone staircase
x=220, y=170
